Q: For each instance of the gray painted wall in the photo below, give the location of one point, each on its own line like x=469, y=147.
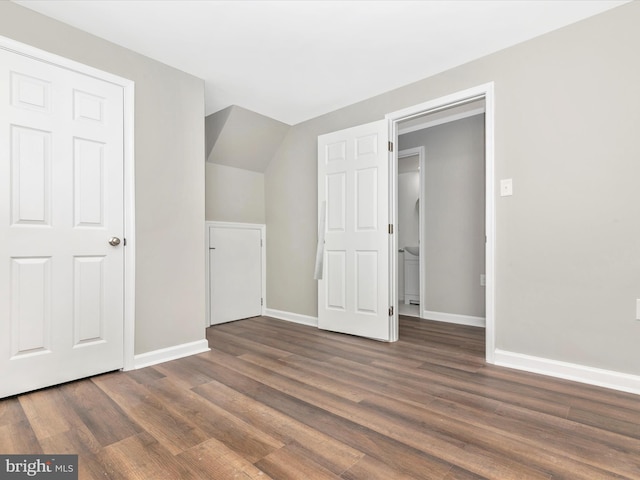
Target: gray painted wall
x=169, y=166
x=234, y=195
x=568, y=255
x=453, y=212
x=408, y=219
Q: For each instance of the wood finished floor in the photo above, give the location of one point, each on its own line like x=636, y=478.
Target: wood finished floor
x=284, y=401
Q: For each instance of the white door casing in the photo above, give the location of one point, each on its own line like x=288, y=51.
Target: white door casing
x=486, y=92
x=236, y=265
x=353, y=179
x=62, y=188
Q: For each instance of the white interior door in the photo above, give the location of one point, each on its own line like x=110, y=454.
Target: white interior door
x=61, y=200
x=235, y=273
x=353, y=179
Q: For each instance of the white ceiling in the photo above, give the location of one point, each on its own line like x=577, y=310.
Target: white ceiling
x=295, y=60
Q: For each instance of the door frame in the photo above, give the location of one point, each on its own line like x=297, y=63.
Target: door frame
x=485, y=91
x=263, y=247
x=128, y=87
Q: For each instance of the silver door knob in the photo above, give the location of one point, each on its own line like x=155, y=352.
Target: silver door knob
x=114, y=241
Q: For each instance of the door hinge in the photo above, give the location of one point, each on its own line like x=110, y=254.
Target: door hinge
x=390, y=229
x=261, y=242
x=262, y=302
x=391, y=311
x=391, y=146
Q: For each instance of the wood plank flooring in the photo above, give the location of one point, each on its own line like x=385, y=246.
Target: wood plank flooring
x=284, y=401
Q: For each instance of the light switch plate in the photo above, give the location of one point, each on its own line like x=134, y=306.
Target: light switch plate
x=506, y=187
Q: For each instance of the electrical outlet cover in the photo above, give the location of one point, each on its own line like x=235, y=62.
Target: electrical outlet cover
x=506, y=187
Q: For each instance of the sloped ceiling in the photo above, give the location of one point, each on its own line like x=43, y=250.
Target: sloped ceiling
x=240, y=138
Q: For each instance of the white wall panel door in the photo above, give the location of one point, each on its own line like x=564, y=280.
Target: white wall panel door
x=61, y=200
x=353, y=180
x=235, y=273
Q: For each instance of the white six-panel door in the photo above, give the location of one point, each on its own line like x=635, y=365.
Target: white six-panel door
x=353, y=180
x=61, y=200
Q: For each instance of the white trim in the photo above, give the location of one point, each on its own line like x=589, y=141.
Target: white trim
x=454, y=318
x=392, y=203
x=59, y=61
x=129, y=227
x=490, y=225
x=252, y=226
x=569, y=371
x=439, y=104
x=170, y=353
x=207, y=277
x=440, y=121
x=292, y=317
x=263, y=237
x=485, y=91
x=128, y=87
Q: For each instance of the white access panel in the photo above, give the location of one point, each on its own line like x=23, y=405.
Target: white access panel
x=235, y=272
x=61, y=200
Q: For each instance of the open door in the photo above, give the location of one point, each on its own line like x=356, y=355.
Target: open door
x=354, y=294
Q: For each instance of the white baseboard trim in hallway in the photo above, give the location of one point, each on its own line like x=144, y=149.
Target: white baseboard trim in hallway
x=569, y=371
x=291, y=317
x=436, y=316
x=170, y=353
x=454, y=318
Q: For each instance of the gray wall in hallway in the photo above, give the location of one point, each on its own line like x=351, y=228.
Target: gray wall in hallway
x=453, y=216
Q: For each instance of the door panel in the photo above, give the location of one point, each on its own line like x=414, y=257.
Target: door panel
x=88, y=309
x=353, y=179
x=88, y=167
x=30, y=318
x=235, y=273
x=61, y=199
x=336, y=280
x=31, y=176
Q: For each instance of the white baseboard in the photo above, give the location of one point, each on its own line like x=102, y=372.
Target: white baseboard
x=454, y=318
x=170, y=353
x=569, y=371
x=291, y=317
x=437, y=316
